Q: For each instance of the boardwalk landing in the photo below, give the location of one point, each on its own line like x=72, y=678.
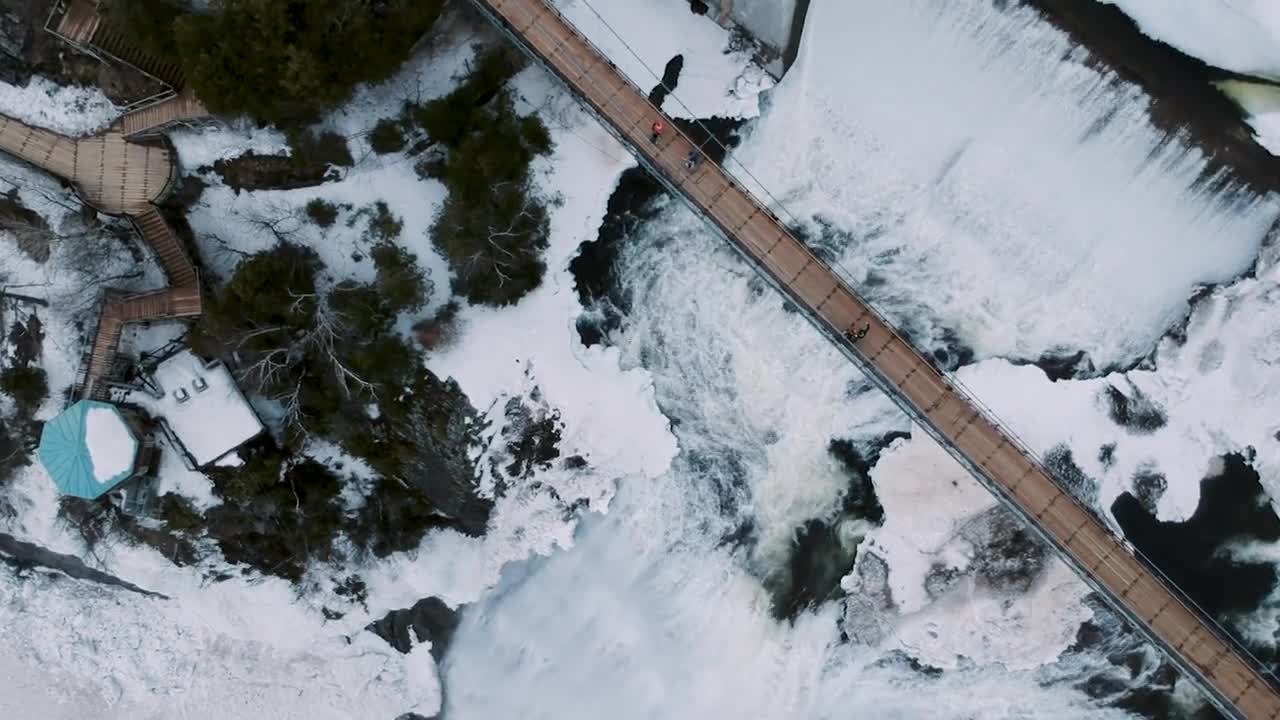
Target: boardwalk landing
x=933, y=400
x=110, y=173
x=118, y=177
x=80, y=23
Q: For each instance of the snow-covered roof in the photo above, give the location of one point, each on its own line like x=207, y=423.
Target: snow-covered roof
x=110, y=444
x=88, y=449
x=202, y=405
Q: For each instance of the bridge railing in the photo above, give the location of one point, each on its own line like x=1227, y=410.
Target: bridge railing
x=953, y=382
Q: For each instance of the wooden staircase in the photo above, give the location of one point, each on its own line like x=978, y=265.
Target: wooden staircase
x=158, y=116
x=171, y=302
x=161, y=238
x=79, y=21
x=182, y=299
x=113, y=44
x=102, y=354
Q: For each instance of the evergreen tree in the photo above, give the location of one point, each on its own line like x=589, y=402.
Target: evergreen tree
x=284, y=62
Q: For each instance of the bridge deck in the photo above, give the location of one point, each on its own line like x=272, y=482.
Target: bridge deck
x=943, y=409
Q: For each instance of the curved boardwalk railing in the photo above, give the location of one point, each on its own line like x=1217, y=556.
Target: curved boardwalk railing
x=120, y=177
x=111, y=173
x=937, y=402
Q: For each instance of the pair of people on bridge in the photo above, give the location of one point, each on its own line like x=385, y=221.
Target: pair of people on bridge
x=855, y=335
x=694, y=157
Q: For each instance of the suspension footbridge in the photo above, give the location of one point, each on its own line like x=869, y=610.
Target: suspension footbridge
x=957, y=420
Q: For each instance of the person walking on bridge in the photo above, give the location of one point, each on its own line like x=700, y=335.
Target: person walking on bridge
x=856, y=335
x=658, y=127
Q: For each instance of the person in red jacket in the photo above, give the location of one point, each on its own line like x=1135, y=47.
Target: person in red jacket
x=658, y=127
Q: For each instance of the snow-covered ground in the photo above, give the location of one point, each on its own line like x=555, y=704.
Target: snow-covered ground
x=279, y=640
x=237, y=648
x=998, y=192
x=1262, y=103
x=1238, y=35
x=721, y=81
x=68, y=110
x=113, y=654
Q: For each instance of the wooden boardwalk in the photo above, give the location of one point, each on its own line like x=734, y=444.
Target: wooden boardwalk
x=110, y=173
x=81, y=23
x=942, y=408
x=156, y=232
x=116, y=175
x=150, y=119
x=119, y=310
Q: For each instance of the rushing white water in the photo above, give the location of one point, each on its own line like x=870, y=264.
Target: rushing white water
x=639, y=623
x=964, y=158
x=998, y=189
x=651, y=614
x=981, y=184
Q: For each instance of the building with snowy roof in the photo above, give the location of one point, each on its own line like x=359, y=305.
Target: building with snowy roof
x=200, y=407
x=92, y=447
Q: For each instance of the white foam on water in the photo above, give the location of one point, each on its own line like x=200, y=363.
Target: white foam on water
x=976, y=183
x=993, y=189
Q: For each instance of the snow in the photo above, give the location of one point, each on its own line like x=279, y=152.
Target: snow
x=609, y=414
x=1262, y=102
x=1022, y=234
x=111, y=445
x=210, y=422
x=1215, y=388
x=359, y=478
x=151, y=337
x=230, y=224
x=201, y=146
x=768, y=20
x=502, y=349
x=175, y=477
x=230, y=460
x=112, y=654
x=723, y=83
x=64, y=109
x=930, y=504
x=1238, y=35
x=246, y=645
x=1009, y=197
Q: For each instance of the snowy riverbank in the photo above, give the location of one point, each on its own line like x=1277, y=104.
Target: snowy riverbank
x=999, y=201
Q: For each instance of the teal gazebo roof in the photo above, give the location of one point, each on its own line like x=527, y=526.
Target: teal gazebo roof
x=86, y=432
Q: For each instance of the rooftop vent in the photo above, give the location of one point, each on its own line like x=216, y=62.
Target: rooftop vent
x=181, y=395
x=200, y=384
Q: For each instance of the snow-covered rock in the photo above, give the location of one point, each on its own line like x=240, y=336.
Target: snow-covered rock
x=1238, y=35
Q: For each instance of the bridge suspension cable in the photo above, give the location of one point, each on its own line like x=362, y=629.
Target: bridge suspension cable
x=970, y=395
